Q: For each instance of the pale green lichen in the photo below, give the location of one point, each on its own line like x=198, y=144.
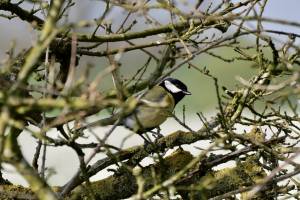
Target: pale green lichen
x=219, y=182
x=120, y=185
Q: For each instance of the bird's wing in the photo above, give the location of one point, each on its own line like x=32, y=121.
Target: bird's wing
x=158, y=97
x=153, y=108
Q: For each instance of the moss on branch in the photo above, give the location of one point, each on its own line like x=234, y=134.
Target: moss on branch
x=219, y=182
x=137, y=153
x=124, y=185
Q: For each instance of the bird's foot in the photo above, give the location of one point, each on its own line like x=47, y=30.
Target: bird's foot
x=148, y=144
x=157, y=135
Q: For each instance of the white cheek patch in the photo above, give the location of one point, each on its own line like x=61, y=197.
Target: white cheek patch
x=171, y=87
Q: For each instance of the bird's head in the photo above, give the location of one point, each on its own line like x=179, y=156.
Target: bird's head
x=176, y=88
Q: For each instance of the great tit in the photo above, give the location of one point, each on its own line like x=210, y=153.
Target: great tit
x=155, y=105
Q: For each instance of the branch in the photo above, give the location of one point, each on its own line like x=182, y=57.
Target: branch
x=125, y=49
x=21, y=13
x=13, y=155
x=48, y=33
x=137, y=153
x=126, y=184
x=169, y=28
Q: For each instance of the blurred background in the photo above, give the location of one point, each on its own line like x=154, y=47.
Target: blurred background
x=62, y=162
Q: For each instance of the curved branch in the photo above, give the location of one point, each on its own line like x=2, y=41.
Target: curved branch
x=135, y=154
x=21, y=13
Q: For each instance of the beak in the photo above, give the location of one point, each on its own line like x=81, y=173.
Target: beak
x=186, y=92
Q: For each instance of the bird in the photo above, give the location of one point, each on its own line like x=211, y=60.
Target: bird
x=155, y=105
x=150, y=108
